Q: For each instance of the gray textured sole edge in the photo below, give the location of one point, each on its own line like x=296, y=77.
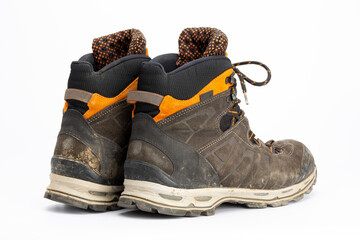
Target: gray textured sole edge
x=81, y=203
x=133, y=202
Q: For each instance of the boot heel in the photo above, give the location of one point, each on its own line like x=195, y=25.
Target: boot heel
x=82, y=194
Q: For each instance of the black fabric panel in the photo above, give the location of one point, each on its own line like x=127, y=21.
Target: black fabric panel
x=168, y=61
x=147, y=108
x=77, y=105
x=108, y=81
x=225, y=122
x=89, y=58
x=182, y=83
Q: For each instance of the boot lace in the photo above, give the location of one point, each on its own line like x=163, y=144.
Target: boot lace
x=236, y=112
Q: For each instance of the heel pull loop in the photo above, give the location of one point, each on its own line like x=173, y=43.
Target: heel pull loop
x=145, y=97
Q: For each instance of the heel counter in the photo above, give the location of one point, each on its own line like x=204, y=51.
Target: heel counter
x=80, y=147
x=69, y=147
x=144, y=171
x=145, y=162
x=153, y=147
x=145, y=152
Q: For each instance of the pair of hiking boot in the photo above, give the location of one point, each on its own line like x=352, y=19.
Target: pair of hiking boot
x=184, y=148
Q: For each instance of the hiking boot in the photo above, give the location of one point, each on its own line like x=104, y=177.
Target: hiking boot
x=87, y=165
x=191, y=147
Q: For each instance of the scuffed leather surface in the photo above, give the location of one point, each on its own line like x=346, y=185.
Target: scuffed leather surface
x=148, y=153
x=237, y=161
x=78, y=141
x=72, y=148
x=240, y=163
x=198, y=124
x=114, y=123
x=190, y=169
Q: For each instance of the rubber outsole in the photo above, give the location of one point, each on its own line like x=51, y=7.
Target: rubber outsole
x=83, y=194
x=134, y=202
x=81, y=203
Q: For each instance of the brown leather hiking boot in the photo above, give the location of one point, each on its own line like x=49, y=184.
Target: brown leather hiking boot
x=191, y=147
x=87, y=166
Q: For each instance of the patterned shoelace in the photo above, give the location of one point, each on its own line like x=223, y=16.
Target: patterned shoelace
x=243, y=77
x=236, y=112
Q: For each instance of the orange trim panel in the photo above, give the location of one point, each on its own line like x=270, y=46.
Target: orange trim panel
x=171, y=105
x=98, y=102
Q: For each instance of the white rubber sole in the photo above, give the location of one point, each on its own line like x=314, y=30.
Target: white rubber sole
x=154, y=197
x=83, y=194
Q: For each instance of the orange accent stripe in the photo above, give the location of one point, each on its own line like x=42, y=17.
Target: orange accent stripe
x=251, y=135
x=233, y=112
x=171, y=105
x=98, y=102
x=133, y=111
x=65, y=107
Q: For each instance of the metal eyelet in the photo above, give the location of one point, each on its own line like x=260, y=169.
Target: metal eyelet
x=233, y=96
x=230, y=79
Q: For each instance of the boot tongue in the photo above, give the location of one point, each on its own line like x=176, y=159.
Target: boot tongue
x=111, y=47
x=200, y=42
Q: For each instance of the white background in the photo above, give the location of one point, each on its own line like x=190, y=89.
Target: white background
x=311, y=47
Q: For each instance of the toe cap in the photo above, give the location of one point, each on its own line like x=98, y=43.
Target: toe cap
x=307, y=164
x=300, y=157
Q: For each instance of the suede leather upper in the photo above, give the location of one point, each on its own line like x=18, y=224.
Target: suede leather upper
x=237, y=161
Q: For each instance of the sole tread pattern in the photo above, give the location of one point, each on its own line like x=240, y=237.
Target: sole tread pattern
x=147, y=206
x=75, y=202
